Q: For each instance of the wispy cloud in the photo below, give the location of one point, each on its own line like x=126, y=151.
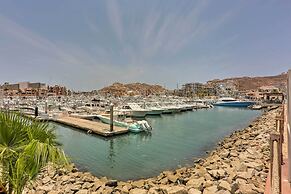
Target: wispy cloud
x=63, y=62
x=115, y=18
x=159, y=32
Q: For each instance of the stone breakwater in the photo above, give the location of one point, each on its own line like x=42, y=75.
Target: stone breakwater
x=238, y=165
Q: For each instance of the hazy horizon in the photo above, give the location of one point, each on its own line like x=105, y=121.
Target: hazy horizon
x=86, y=45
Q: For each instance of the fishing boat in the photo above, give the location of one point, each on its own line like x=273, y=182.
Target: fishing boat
x=231, y=102
x=153, y=108
x=134, y=110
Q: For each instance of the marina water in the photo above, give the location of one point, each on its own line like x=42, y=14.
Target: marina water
x=176, y=140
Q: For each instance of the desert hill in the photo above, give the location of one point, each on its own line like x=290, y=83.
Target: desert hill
x=253, y=83
x=119, y=89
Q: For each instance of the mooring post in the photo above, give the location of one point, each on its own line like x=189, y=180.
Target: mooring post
x=111, y=117
x=45, y=108
x=36, y=111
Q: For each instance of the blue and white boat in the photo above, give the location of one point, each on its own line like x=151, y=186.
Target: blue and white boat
x=231, y=102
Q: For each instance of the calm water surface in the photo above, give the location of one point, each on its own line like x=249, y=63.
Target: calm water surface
x=175, y=140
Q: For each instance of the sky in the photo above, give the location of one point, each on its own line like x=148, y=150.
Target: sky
x=89, y=44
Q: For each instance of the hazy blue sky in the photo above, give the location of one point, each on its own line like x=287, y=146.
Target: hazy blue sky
x=88, y=44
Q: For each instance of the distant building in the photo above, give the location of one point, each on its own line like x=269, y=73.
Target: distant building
x=57, y=90
x=33, y=89
x=269, y=94
x=273, y=97
x=190, y=89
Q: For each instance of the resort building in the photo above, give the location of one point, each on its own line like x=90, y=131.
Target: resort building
x=268, y=94
x=33, y=89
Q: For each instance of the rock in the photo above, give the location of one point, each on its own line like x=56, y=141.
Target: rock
x=181, y=170
x=83, y=191
x=246, y=189
x=65, y=178
x=164, y=180
x=46, y=180
x=76, y=188
x=201, y=171
x=87, y=177
x=243, y=175
x=208, y=183
x=138, y=184
x=224, y=154
x=255, y=165
x=234, y=187
x=97, y=184
x=138, y=191
x=224, y=185
x=210, y=190
x=111, y=183
x=196, y=183
x=217, y=174
x=223, y=192
x=172, y=178
x=177, y=190
x=126, y=188
x=46, y=188
x=87, y=185
x=153, y=190
x=194, y=191
x=54, y=192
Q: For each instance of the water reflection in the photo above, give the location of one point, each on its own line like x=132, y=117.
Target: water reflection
x=111, y=153
x=117, y=143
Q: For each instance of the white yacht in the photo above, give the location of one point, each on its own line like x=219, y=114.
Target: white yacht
x=153, y=108
x=134, y=110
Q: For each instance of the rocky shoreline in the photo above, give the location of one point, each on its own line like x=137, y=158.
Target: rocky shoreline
x=239, y=165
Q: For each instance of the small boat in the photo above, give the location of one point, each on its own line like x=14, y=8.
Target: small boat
x=231, y=102
x=256, y=107
x=106, y=120
x=136, y=127
x=139, y=126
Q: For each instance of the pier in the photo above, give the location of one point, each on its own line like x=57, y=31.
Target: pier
x=92, y=126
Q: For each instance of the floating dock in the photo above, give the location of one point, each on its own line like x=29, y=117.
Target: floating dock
x=92, y=126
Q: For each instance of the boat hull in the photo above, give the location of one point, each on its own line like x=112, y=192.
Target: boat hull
x=106, y=120
x=234, y=104
x=138, y=114
x=155, y=112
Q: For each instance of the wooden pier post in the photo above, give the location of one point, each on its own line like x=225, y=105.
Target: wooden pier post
x=111, y=117
x=45, y=108
x=289, y=123
x=36, y=111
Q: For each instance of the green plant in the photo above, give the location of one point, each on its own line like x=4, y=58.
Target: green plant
x=26, y=146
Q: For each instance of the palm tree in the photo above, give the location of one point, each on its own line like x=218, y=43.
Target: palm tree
x=26, y=146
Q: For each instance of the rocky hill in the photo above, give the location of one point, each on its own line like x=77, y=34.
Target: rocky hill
x=253, y=83
x=119, y=89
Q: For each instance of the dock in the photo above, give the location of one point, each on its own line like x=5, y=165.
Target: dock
x=92, y=126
